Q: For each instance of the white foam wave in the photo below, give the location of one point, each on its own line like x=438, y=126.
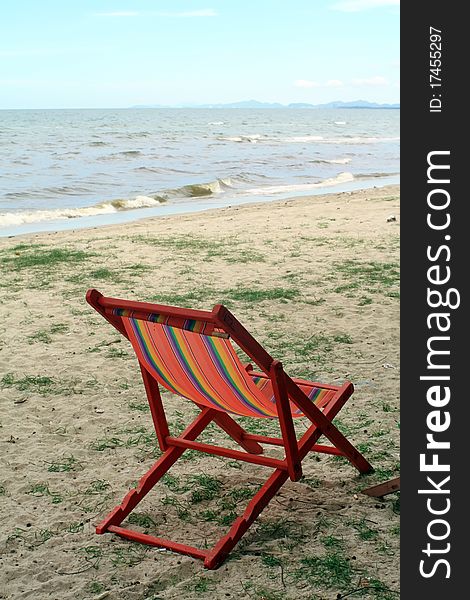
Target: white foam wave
x=309, y=139
x=9, y=219
x=302, y=187
x=216, y=122
x=137, y=202
x=255, y=137
x=301, y=139
x=360, y=140
x=306, y=139
x=339, y=161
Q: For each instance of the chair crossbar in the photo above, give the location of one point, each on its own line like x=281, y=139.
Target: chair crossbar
x=204, y=327
x=264, y=439
x=265, y=461
x=321, y=448
x=151, y=540
x=105, y=302
x=297, y=380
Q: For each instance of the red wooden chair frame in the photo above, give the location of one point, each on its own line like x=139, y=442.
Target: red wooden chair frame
x=285, y=388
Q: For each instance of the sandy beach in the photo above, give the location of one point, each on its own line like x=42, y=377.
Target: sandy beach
x=316, y=280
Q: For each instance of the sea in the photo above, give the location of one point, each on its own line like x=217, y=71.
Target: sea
x=67, y=169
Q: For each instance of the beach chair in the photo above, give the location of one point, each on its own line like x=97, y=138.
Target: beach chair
x=190, y=353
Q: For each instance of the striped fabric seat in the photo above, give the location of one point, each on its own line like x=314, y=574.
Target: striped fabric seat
x=207, y=370
x=319, y=396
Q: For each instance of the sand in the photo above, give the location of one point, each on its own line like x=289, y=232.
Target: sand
x=315, y=279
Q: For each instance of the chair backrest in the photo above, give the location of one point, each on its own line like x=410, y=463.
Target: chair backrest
x=190, y=354
x=197, y=365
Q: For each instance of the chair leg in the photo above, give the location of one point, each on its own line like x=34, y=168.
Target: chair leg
x=212, y=558
x=260, y=500
x=308, y=441
x=156, y=408
x=148, y=481
x=340, y=442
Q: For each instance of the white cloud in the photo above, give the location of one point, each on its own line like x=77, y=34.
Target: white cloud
x=378, y=80
x=204, y=12
x=358, y=5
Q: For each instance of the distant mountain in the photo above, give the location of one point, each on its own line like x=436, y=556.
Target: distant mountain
x=301, y=105
x=355, y=104
x=152, y=106
x=243, y=104
x=293, y=105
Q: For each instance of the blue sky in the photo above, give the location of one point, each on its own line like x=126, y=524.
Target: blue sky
x=118, y=53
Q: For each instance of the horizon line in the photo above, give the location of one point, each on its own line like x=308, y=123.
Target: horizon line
x=219, y=105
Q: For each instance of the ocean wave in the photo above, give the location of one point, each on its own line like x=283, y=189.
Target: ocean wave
x=360, y=140
x=128, y=153
x=252, y=139
x=247, y=177
x=344, y=139
x=307, y=139
x=301, y=187
x=9, y=219
x=375, y=175
x=64, y=154
x=299, y=139
x=123, y=154
x=256, y=137
x=159, y=170
x=196, y=190
x=139, y=134
x=332, y=161
x=216, y=122
x=59, y=191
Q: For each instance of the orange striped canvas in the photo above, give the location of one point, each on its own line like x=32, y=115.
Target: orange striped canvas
x=206, y=370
